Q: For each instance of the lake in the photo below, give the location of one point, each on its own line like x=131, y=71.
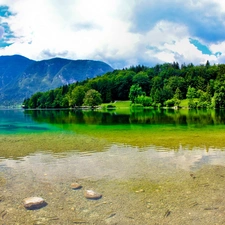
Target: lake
x=151, y=166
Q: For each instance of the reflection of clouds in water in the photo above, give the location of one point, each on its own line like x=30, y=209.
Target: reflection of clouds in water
x=117, y=162
x=193, y=159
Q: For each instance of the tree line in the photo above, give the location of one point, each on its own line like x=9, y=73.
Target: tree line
x=162, y=85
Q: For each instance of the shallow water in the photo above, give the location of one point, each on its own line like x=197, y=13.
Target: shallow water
x=152, y=167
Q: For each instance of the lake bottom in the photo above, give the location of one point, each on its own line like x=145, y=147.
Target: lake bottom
x=148, y=185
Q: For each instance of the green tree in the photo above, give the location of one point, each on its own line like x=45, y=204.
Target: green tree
x=208, y=96
x=26, y=103
x=170, y=102
x=34, y=100
x=157, y=96
x=104, y=87
x=175, y=82
x=121, y=85
x=219, y=96
x=42, y=100
x=178, y=94
x=142, y=80
x=191, y=93
x=92, y=98
x=49, y=99
x=135, y=91
x=144, y=100
x=177, y=97
x=77, y=96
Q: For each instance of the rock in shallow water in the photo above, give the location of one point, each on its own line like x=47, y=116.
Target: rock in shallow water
x=34, y=203
x=75, y=186
x=90, y=194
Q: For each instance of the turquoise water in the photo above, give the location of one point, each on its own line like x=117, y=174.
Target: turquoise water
x=18, y=122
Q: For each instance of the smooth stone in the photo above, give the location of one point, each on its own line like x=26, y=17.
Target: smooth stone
x=75, y=186
x=141, y=190
x=90, y=194
x=34, y=203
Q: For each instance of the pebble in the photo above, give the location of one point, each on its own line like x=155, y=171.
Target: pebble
x=141, y=190
x=75, y=186
x=34, y=203
x=90, y=194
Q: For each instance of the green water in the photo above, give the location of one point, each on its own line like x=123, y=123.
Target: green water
x=151, y=166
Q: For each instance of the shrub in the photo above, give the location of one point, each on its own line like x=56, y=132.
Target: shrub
x=170, y=102
x=111, y=106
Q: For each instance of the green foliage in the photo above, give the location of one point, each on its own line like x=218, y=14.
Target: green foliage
x=110, y=106
x=144, y=100
x=204, y=99
x=191, y=93
x=121, y=85
x=183, y=103
x=219, y=96
x=175, y=82
x=135, y=91
x=92, y=98
x=77, y=96
x=34, y=101
x=170, y=102
x=142, y=80
x=178, y=94
x=192, y=104
x=162, y=85
x=177, y=97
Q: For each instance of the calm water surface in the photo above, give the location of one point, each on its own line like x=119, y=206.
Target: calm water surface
x=152, y=166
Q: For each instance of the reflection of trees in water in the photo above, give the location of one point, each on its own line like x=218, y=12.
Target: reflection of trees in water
x=50, y=116
x=77, y=117
x=202, y=117
x=219, y=116
x=141, y=116
x=92, y=117
x=178, y=117
x=158, y=116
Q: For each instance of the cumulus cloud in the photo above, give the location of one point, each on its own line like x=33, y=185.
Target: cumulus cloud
x=117, y=32
x=1, y=32
x=204, y=18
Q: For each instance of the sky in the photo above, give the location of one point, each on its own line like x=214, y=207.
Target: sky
x=121, y=33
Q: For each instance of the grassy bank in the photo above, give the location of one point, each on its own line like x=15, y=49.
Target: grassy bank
x=127, y=104
x=117, y=104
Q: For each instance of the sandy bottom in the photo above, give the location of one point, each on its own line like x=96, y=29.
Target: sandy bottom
x=139, y=186
x=182, y=199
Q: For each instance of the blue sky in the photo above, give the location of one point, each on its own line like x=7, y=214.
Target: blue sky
x=121, y=33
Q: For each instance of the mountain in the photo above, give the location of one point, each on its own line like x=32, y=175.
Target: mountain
x=21, y=77
x=11, y=67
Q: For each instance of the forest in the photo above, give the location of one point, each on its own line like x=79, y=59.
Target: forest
x=162, y=85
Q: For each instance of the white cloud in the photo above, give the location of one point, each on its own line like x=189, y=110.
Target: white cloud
x=221, y=4
x=1, y=32
x=99, y=29
x=218, y=47
x=81, y=28
x=170, y=42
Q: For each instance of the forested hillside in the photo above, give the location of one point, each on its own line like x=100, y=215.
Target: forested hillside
x=162, y=85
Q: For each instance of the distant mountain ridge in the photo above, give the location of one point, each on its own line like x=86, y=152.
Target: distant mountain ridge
x=21, y=77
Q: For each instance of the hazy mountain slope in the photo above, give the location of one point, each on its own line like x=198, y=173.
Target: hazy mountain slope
x=11, y=67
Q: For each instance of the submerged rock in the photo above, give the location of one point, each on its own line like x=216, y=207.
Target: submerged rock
x=75, y=186
x=34, y=203
x=90, y=194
